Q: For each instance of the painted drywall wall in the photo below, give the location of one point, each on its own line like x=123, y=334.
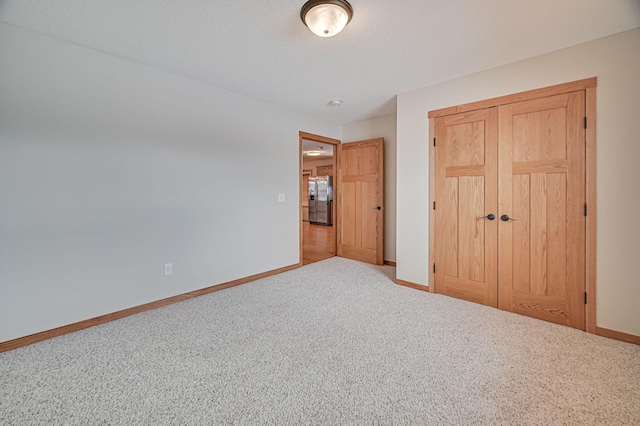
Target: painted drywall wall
x=109, y=169
x=385, y=127
x=615, y=61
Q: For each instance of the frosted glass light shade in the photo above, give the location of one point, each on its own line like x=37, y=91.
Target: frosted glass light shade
x=326, y=18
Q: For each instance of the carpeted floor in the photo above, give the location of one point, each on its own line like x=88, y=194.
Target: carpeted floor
x=333, y=343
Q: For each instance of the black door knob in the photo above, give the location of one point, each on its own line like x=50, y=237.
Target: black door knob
x=504, y=218
x=491, y=216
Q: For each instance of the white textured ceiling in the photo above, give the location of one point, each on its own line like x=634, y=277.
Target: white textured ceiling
x=261, y=49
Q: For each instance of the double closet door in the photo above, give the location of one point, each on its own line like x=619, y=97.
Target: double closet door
x=509, y=211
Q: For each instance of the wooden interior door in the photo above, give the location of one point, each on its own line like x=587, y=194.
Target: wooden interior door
x=542, y=190
x=466, y=206
x=360, y=184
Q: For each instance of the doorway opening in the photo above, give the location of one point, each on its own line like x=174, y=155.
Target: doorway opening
x=318, y=164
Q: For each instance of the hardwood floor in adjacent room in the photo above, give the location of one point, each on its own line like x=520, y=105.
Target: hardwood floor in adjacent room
x=318, y=243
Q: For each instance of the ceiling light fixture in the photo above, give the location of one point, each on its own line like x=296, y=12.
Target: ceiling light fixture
x=326, y=18
x=335, y=102
x=315, y=153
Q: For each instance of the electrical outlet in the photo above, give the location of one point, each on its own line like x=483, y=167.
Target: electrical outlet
x=168, y=268
x=281, y=198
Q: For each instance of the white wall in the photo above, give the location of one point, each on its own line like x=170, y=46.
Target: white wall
x=384, y=127
x=615, y=61
x=109, y=169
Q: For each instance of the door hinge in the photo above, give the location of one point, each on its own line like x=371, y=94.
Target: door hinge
x=585, y=209
x=585, y=122
x=434, y=268
x=434, y=205
x=585, y=297
x=434, y=141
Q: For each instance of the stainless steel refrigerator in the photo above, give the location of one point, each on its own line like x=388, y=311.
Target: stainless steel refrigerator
x=321, y=200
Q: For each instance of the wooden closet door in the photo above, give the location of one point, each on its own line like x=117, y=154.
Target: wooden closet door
x=361, y=191
x=466, y=192
x=542, y=189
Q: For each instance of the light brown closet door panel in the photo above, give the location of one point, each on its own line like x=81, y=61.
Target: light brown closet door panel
x=542, y=190
x=466, y=192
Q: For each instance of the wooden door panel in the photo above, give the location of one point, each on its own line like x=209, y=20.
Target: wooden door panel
x=348, y=163
x=472, y=291
x=465, y=144
x=556, y=186
x=521, y=233
x=464, y=254
x=466, y=190
x=550, y=166
x=541, y=182
x=367, y=160
x=361, y=191
x=540, y=135
x=548, y=308
x=360, y=162
x=449, y=228
x=348, y=195
x=471, y=229
x=369, y=190
x=539, y=239
x=537, y=235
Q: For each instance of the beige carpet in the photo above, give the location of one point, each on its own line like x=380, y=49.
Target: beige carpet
x=333, y=343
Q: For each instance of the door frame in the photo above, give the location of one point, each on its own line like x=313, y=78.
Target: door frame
x=305, y=173
x=589, y=86
x=321, y=139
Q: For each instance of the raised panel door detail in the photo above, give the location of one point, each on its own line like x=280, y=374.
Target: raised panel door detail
x=540, y=135
x=465, y=144
x=449, y=228
x=348, y=192
x=472, y=229
x=369, y=190
x=360, y=162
